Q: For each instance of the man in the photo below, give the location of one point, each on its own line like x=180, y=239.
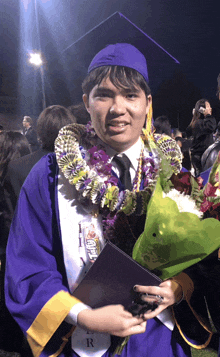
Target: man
x=118, y=100
x=100, y=188
x=50, y=121
x=30, y=133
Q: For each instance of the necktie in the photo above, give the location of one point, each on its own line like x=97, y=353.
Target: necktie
x=124, y=165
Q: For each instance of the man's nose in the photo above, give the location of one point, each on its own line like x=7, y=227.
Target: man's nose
x=118, y=106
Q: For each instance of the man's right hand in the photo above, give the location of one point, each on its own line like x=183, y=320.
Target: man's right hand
x=112, y=319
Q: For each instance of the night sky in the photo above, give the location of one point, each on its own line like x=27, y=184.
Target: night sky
x=188, y=30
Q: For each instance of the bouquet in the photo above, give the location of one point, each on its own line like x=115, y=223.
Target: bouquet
x=182, y=225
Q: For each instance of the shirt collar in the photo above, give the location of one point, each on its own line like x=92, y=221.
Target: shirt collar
x=133, y=153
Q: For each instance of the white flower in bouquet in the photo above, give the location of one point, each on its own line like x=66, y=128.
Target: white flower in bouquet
x=184, y=202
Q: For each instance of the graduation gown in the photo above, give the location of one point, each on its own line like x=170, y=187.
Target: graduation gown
x=37, y=291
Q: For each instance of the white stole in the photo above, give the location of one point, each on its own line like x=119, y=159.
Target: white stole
x=77, y=263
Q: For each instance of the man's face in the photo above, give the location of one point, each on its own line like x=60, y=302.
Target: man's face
x=117, y=115
x=25, y=123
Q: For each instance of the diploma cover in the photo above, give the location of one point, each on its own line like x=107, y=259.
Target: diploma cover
x=111, y=279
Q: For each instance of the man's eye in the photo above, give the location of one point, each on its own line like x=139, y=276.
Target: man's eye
x=103, y=95
x=131, y=95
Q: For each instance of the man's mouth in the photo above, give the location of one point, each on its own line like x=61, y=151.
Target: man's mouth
x=117, y=124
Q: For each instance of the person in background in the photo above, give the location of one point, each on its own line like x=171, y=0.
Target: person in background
x=201, y=129
x=175, y=132
x=1, y=128
x=216, y=102
x=162, y=125
x=80, y=113
x=12, y=145
x=30, y=133
x=211, y=153
x=50, y=121
x=184, y=146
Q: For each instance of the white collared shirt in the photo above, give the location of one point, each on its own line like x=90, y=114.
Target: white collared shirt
x=133, y=153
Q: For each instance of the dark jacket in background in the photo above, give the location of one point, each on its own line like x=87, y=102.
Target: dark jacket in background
x=17, y=172
x=210, y=155
x=31, y=136
x=202, y=134
x=11, y=336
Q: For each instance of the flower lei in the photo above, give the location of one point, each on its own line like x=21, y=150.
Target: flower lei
x=89, y=170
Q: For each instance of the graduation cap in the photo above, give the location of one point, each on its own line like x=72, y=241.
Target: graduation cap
x=115, y=29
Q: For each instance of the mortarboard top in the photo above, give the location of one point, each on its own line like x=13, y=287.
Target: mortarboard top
x=115, y=29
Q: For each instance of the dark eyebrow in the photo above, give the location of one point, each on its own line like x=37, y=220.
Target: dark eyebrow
x=131, y=90
x=100, y=90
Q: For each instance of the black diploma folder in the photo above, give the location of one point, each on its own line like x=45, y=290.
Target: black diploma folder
x=111, y=279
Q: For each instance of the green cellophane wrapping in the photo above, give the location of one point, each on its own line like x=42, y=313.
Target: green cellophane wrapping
x=173, y=240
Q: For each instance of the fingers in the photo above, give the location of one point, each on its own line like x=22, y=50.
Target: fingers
x=131, y=325
x=160, y=297
x=113, y=319
x=150, y=290
x=140, y=328
x=151, y=294
x=168, y=292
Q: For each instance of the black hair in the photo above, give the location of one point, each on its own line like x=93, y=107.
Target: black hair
x=121, y=77
x=49, y=123
x=176, y=132
x=162, y=125
x=12, y=146
x=197, y=113
x=80, y=113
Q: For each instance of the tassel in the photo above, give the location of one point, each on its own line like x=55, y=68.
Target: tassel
x=120, y=347
x=149, y=121
x=148, y=131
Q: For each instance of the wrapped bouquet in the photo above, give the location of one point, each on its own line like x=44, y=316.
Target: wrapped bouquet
x=181, y=226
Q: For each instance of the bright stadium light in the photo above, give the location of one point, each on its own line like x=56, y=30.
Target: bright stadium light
x=35, y=59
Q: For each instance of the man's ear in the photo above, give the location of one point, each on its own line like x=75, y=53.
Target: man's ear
x=86, y=102
x=149, y=102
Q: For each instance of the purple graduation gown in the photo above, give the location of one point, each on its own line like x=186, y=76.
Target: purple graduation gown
x=35, y=270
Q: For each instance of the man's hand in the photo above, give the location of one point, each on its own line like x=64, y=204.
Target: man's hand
x=112, y=319
x=170, y=292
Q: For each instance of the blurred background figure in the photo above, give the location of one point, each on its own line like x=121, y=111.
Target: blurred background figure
x=175, y=132
x=210, y=154
x=30, y=133
x=50, y=121
x=184, y=145
x=218, y=87
x=1, y=128
x=201, y=129
x=162, y=125
x=12, y=146
x=80, y=113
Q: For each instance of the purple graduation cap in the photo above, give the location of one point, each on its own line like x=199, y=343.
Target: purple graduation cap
x=116, y=29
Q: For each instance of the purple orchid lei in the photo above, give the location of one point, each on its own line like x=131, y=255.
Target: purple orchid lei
x=99, y=159
x=90, y=171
